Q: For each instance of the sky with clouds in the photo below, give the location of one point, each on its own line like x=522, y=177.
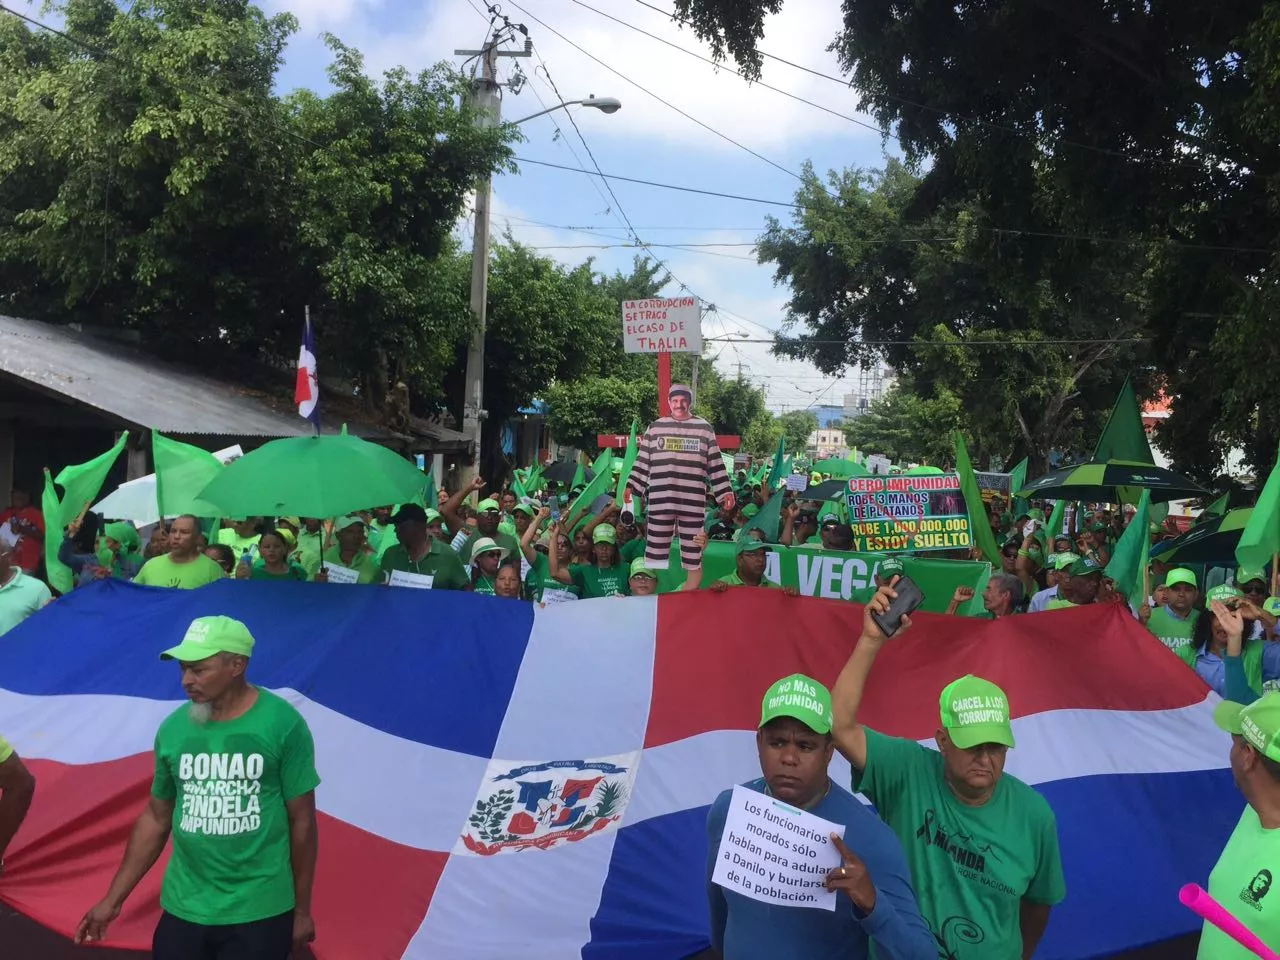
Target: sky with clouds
x=571, y=216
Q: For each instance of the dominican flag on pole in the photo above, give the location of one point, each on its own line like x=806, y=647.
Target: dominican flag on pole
x=306, y=394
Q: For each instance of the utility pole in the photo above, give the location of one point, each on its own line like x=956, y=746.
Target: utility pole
x=486, y=99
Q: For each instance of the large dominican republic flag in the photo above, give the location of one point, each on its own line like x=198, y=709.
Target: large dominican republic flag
x=500, y=781
x=306, y=391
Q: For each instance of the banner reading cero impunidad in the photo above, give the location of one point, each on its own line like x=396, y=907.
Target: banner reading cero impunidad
x=901, y=513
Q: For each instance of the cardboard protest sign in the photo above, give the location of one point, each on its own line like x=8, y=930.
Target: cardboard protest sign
x=908, y=513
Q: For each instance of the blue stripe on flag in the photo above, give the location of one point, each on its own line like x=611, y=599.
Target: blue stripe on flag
x=436, y=667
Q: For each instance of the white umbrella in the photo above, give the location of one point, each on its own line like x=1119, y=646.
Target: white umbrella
x=136, y=499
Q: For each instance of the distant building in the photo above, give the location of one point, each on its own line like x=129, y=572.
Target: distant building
x=827, y=442
x=829, y=415
x=870, y=384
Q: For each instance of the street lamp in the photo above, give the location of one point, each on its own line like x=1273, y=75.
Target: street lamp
x=603, y=104
x=489, y=110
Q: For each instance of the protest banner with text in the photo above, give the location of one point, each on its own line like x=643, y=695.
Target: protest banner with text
x=901, y=513
x=662, y=325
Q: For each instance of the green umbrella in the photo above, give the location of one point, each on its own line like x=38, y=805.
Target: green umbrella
x=1213, y=541
x=1099, y=482
x=326, y=476
x=840, y=469
x=924, y=471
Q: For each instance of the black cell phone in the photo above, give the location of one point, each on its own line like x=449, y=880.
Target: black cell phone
x=909, y=597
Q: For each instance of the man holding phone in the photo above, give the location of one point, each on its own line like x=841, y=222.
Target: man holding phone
x=983, y=846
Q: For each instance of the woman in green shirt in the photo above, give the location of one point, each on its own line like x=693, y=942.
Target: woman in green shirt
x=507, y=583
x=539, y=579
x=608, y=577
x=273, y=561
x=486, y=558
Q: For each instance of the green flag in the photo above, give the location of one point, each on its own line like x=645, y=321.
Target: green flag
x=1018, y=480
x=599, y=486
x=1054, y=525
x=1123, y=438
x=1261, y=538
x=579, y=475
x=628, y=462
x=775, y=471
x=81, y=483
x=768, y=520
x=979, y=525
x=1132, y=554
x=1216, y=509
x=518, y=477
x=182, y=471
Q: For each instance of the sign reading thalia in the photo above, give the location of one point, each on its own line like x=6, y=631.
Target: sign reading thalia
x=662, y=325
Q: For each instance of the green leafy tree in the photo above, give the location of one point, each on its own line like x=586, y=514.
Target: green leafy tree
x=797, y=427
x=580, y=410
x=908, y=428
x=760, y=439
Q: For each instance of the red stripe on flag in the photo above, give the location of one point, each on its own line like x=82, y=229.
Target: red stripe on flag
x=370, y=894
x=716, y=655
x=302, y=387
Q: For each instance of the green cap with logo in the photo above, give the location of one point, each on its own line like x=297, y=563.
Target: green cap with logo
x=1063, y=561
x=801, y=698
x=484, y=506
x=1245, y=575
x=890, y=568
x=1223, y=592
x=1180, y=575
x=638, y=569
x=209, y=635
x=1083, y=567
x=975, y=711
x=1258, y=723
x=1272, y=606
x=749, y=544
x=604, y=534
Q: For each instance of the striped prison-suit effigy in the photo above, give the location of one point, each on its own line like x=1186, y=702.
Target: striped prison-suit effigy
x=676, y=461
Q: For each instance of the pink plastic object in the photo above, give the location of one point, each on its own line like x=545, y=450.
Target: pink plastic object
x=1199, y=901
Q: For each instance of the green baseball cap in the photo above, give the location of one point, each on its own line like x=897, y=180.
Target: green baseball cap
x=604, y=534
x=801, y=698
x=1245, y=575
x=1036, y=514
x=525, y=509
x=209, y=635
x=750, y=510
x=348, y=521
x=484, y=506
x=1272, y=606
x=1083, y=567
x=638, y=569
x=1258, y=723
x=1223, y=592
x=749, y=544
x=433, y=515
x=975, y=711
x=1097, y=527
x=1063, y=561
x=890, y=568
x=1180, y=575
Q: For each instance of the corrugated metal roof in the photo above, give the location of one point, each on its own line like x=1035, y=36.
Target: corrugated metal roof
x=131, y=386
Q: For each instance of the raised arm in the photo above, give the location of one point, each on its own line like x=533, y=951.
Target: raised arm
x=846, y=696
x=449, y=509
x=531, y=534
x=556, y=563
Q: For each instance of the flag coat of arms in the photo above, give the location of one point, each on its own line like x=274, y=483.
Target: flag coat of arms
x=500, y=780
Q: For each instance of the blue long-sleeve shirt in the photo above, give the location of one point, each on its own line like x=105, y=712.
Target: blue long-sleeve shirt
x=746, y=929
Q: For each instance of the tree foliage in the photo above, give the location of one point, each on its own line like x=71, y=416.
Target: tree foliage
x=151, y=180
x=1097, y=148
x=797, y=426
x=907, y=428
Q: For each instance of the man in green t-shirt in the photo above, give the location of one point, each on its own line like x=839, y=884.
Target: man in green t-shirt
x=1174, y=623
x=234, y=785
x=418, y=553
x=17, y=787
x=488, y=517
x=1245, y=874
x=185, y=566
x=982, y=845
x=751, y=555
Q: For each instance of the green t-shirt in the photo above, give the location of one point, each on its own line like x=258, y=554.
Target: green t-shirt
x=439, y=562
x=307, y=553
x=6, y=751
x=593, y=581
x=734, y=580
x=971, y=866
x=1059, y=603
x=505, y=540
x=238, y=544
x=293, y=571
x=1171, y=631
x=483, y=585
x=540, y=579
x=161, y=571
x=230, y=781
x=1242, y=881
x=364, y=564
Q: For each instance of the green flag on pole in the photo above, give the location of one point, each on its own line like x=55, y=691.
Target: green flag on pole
x=1123, y=438
x=775, y=471
x=599, y=485
x=768, y=520
x=579, y=475
x=1132, y=554
x=628, y=462
x=1054, y=526
x=1018, y=480
x=1216, y=509
x=182, y=471
x=81, y=483
x=1261, y=538
x=979, y=525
